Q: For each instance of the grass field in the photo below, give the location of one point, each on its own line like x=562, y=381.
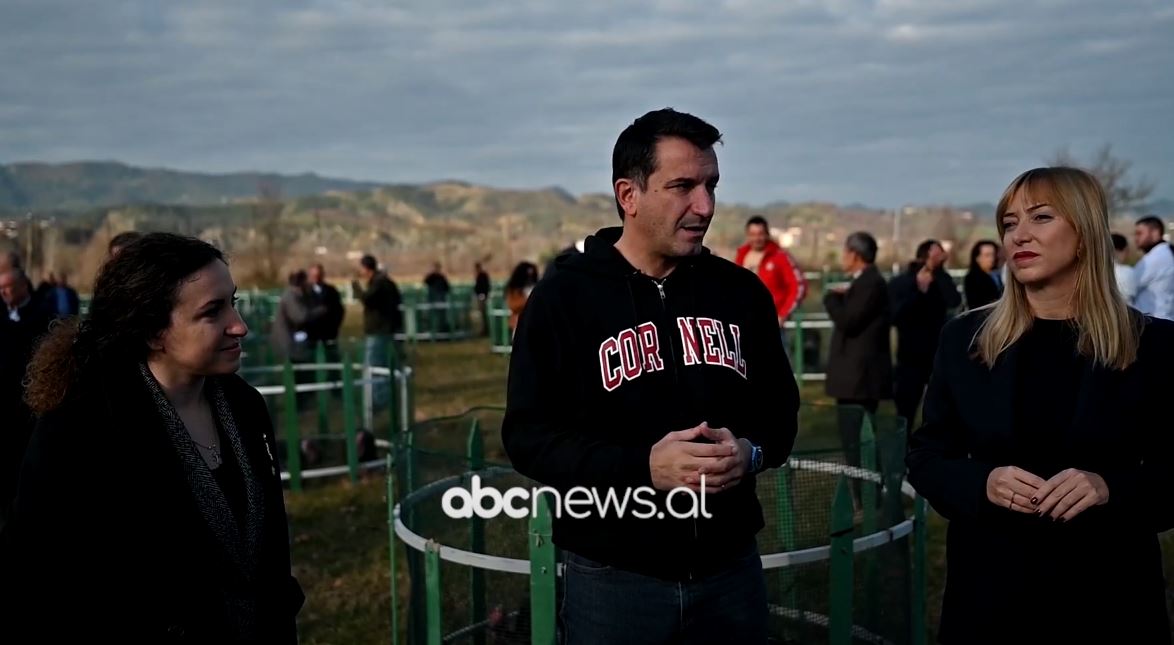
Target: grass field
x=340, y=531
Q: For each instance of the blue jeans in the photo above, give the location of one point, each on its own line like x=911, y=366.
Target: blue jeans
x=376, y=355
x=786, y=345
x=603, y=605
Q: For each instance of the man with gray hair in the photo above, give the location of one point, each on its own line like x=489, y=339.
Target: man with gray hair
x=860, y=366
x=24, y=322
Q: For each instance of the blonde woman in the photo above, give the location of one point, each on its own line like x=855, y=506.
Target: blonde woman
x=1046, y=441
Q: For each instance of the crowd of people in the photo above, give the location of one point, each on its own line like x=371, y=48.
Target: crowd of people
x=148, y=499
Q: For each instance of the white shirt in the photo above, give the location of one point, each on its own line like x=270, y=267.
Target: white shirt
x=1155, y=282
x=1126, y=281
x=14, y=312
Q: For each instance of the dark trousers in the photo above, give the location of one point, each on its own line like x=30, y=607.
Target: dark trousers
x=602, y=605
x=483, y=307
x=908, y=388
x=850, y=415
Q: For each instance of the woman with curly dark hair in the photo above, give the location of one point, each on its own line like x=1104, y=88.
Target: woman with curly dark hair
x=149, y=504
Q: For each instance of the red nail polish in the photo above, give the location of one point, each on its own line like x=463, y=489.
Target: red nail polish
x=1035, y=500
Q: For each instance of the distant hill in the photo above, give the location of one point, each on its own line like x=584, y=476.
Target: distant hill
x=78, y=207
x=90, y=184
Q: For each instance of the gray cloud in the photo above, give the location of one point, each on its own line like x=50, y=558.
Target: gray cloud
x=882, y=101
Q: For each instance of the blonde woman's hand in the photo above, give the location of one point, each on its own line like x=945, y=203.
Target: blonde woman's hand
x=1070, y=493
x=1013, y=488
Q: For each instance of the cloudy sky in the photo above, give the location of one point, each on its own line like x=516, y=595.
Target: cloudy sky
x=883, y=102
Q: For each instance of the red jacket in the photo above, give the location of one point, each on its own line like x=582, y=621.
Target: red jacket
x=781, y=275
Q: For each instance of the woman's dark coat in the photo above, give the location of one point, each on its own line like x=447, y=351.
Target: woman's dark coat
x=107, y=541
x=1014, y=577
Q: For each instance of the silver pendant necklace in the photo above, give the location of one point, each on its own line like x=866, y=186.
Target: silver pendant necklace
x=213, y=451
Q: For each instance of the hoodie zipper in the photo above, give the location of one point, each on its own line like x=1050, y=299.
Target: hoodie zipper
x=665, y=310
x=673, y=352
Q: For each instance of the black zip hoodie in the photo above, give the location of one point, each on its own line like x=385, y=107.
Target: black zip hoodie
x=607, y=361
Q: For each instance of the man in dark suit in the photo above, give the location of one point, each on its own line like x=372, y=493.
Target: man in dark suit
x=481, y=288
x=325, y=329
x=382, y=318
x=922, y=298
x=860, y=368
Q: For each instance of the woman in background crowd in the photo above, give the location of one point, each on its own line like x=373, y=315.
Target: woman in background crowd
x=1044, y=440
x=984, y=282
x=517, y=290
x=149, y=507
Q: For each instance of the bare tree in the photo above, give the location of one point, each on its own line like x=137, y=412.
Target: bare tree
x=272, y=238
x=1112, y=172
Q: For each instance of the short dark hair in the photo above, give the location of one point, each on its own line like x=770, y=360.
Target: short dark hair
x=1154, y=222
x=924, y=248
x=634, y=155
x=863, y=245
x=758, y=220
x=368, y=262
x=123, y=240
x=1119, y=242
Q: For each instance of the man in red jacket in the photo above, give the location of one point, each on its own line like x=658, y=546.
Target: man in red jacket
x=774, y=266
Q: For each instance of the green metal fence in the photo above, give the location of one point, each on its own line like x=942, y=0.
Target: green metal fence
x=326, y=416
x=843, y=547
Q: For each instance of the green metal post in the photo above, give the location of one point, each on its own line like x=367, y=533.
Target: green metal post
x=393, y=575
x=348, y=418
x=797, y=355
x=503, y=323
x=432, y=592
x=786, y=532
x=409, y=398
x=868, y=499
x=433, y=320
x=491, y=319
x=476, y=453
x=450, y=316
x=840, y=610
x=393, y=401
x=293, y=441
x=893, y=452
x=868, y=463
x=409, y=456
x=919, y=571
x=543, y=573
x=322, y=396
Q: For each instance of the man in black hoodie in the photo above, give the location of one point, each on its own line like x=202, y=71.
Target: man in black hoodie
x=646, y=363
